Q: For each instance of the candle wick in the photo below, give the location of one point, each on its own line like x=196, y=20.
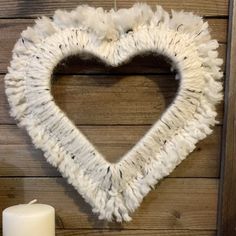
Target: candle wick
x=32, y=202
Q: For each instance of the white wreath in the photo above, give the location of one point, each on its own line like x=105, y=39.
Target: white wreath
x=115, y=190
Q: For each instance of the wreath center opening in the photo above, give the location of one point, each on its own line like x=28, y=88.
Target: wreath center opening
x=114, y=106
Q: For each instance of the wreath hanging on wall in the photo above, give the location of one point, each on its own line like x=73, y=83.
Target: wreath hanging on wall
x=114, y=190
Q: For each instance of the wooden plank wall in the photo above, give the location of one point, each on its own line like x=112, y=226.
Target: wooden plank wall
x=114, y=108
x=227, y=206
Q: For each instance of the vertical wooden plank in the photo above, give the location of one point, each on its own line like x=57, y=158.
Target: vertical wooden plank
x=227, y=208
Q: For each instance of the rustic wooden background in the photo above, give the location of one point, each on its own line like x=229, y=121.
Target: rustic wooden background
x=114, y=108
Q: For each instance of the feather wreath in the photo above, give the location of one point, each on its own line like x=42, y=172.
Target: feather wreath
x=115, y=190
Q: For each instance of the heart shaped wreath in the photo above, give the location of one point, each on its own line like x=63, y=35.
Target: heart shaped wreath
x=115, y=190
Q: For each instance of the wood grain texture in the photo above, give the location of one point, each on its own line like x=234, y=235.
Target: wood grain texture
x=175, y=204
x=116, y=99
x=21, y=9
x=24, y=9
x=227, y=212
x=113, y=100
x=11, y=29
x=135, y=232
x=18, y=157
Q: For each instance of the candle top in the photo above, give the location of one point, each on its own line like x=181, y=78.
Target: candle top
x=28, y=209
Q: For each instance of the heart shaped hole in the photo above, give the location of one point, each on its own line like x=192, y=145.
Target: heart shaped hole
x=114, y=107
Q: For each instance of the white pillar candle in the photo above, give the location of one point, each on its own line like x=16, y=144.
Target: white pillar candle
x=29, y=220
